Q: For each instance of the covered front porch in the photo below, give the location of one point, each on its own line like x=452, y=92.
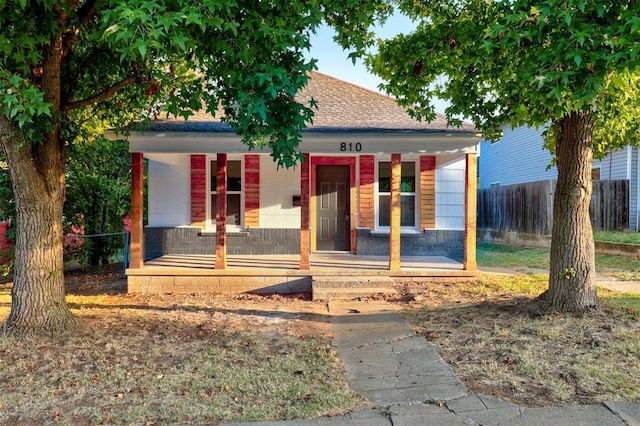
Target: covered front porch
x=281, y=273
x=376, y=196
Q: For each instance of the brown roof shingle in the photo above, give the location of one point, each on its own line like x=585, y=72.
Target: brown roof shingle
x=342, y=107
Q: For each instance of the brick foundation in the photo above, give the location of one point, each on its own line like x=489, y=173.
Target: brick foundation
x=191, y=240
x=428, y=243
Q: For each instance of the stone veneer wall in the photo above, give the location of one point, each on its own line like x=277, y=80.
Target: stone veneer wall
x=159, y=241
x=447, y=243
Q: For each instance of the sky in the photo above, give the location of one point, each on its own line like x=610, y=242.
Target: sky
x=333, y=61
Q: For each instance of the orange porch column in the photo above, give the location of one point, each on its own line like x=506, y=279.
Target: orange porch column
x=221, y=212
x=470, y=196
x=136, y=260
x=394, y=234
x=305, y=240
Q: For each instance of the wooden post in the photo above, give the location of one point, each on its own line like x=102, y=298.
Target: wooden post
x=304, y=213
x=470, y=196
x=221, y=212
x=394, y=234
x=137, y=188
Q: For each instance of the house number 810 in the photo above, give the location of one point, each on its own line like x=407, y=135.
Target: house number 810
x=350, y=147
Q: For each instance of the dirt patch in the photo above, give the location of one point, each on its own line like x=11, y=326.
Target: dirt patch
x=105, y=291
x=173, y=359
x=498, y=341
x=503, y=344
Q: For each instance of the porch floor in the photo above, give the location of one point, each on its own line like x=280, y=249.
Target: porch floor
x=321, y=264
x=280, y=273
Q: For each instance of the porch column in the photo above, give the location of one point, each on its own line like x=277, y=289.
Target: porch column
x=221, y=212
x=304, y=213
x=137, y=187
x=470, y=196
x=394, y=234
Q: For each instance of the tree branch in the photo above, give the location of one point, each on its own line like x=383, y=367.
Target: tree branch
x=85, y=13
x=105, y=94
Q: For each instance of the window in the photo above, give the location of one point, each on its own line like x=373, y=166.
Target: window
x=407, y=194
x=595, y=173
x=234, y=192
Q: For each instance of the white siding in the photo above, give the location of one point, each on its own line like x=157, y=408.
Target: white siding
x=169, y=183
x=450, y=181
x=518, y=157
x=277, y=188
x=169, y=200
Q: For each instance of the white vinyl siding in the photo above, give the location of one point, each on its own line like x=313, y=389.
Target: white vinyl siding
x=169, y=186
x=277, y=188
x=450, y=181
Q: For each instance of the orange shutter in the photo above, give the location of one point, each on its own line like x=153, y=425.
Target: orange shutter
x=198, y=190
x=427, y=192
x=367, y=183
x=251, y=190
x=395, y=218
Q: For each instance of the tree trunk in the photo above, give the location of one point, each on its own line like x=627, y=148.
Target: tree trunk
x=38, y=303
x=572, y=284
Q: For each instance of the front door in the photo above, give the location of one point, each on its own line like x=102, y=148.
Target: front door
x=332, y=194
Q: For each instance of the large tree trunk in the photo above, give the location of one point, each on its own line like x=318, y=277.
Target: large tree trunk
x=38, y=296
x=38, y=303
x=572, y=284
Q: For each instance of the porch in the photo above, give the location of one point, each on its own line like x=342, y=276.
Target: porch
x=281, y=273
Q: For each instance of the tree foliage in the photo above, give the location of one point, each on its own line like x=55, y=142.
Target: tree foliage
x=519, y=62
x=571, y=65
x=70, y=68
x=98, y=194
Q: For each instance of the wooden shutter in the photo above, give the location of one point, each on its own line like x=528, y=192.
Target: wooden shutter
x=251, y=190
x=198, y=190
x=427, y=191
x=367, y=184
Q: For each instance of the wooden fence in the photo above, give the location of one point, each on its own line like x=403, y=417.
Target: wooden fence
x=528, y=207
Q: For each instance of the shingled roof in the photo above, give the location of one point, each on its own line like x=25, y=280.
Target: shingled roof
x=342, y=107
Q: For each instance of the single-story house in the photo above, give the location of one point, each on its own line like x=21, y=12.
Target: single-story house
x=519, y=157
x=377, y=192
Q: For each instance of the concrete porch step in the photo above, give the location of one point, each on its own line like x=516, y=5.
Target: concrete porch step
x=345, y=288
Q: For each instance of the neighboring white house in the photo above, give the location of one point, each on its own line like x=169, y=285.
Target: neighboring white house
x=521, y=157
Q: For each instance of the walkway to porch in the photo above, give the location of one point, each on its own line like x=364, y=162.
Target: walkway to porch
x=280, y=273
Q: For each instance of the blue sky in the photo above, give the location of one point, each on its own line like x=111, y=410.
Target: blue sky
x=333, y=61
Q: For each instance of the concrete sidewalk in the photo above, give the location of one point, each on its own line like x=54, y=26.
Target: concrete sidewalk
x=409, y=384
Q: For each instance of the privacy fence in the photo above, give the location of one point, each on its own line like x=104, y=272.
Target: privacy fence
x=528, y=207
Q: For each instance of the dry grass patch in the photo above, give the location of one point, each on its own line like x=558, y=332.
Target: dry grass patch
x=169, y=359
x=499, y=342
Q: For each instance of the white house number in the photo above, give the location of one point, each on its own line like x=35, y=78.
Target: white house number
x=350, y=147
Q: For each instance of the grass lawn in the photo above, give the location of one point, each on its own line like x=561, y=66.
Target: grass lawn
x=493, y=255
x=617, y=237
